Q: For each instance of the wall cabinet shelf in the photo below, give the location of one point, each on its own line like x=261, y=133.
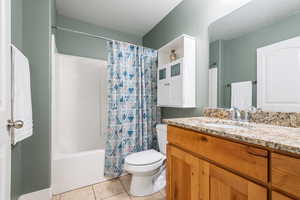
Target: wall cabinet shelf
x=176, y=79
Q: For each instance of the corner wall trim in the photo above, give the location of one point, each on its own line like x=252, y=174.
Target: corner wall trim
x=45, y=194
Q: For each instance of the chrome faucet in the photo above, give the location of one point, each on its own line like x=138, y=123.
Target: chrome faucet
x=235, y=114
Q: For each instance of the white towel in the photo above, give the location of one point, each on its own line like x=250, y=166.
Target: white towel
x=213, y=87
x=22, y=107
x=241, y=95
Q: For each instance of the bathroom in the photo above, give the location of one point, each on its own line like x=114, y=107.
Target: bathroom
x=201, y=116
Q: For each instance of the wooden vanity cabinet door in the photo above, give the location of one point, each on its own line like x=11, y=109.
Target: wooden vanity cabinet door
x=286, y=173
x=227, y=186
x=187, y=176
x=277, y=196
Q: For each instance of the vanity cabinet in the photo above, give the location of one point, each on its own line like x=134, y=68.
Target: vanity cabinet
x=201, y=166
x=191, y=178
x=247, y=160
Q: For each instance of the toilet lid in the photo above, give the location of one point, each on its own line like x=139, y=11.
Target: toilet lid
x=144, y=158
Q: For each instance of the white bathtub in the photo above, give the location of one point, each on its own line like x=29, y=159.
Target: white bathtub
x=75, y=170
x=78, y=122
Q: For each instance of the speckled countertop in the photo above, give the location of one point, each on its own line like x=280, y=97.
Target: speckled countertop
x=275, y=137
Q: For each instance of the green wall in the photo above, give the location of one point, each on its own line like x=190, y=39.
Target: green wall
x=31, y=27
x=80, y=45
x=214, y=53
x=239, y=54
x=186, y=18
x=17, y=40
x=37, y=17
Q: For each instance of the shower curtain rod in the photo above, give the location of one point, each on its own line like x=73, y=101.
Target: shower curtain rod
x=86, y=34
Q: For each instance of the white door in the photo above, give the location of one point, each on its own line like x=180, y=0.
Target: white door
x=5, y=152
x=278, y=76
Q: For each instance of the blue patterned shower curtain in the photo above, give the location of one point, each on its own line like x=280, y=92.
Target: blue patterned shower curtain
x=132, y=96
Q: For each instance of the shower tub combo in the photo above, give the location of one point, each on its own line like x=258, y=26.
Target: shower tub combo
x=78, y=122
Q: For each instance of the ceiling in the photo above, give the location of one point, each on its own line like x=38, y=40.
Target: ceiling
x=251, y=17
x=135, y=17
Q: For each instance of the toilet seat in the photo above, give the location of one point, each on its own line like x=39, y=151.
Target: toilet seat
x=144, y=161
x=142, y=158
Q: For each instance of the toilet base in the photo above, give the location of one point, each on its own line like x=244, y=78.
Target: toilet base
x=145, y=185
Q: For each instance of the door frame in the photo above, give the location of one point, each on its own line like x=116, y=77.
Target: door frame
x=5, y=100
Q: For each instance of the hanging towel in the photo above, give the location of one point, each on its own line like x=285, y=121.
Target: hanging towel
x=241, y=95
x=213, y=87
x=21, y=95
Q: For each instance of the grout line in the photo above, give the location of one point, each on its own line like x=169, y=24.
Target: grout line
x=94, y=192
x=57, y=195
x=127, y=192
x=112, y=196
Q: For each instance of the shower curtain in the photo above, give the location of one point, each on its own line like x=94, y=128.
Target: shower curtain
x=131, y=103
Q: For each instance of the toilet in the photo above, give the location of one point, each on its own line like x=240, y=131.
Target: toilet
x=148, y=167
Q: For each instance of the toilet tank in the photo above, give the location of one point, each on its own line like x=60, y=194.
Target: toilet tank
x=161, y=130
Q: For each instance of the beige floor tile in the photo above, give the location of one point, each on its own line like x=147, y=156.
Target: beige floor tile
x=108, y=189
x=123, y=196
x=86, y=193
x=56, y=197
x=126, y=181
x=164, y=192
x=156, y=196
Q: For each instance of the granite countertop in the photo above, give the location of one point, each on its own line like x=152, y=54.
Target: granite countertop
x=275, y=137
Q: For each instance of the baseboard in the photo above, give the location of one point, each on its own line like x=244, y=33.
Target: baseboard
x=45, y=194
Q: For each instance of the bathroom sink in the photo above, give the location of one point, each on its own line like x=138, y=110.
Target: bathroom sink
x=229, y=126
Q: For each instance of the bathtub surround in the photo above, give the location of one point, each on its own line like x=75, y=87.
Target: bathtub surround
x=264, y=117
x=79, y=88
x=132, y=111
x=79, y=45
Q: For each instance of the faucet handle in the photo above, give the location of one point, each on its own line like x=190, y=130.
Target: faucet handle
x=232, y=113
x=249, y=112
x=252, y=109
x=235, y=114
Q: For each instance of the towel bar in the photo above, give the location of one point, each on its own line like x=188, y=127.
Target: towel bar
x=253, y=82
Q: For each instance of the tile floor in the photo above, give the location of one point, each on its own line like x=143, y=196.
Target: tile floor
x=116, y=189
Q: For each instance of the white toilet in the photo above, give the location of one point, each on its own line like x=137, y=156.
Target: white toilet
x=148, y=167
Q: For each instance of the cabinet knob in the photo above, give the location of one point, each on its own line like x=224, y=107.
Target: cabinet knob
x=203, y=139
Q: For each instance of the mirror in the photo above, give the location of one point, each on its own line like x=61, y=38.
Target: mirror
x=234, y=43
